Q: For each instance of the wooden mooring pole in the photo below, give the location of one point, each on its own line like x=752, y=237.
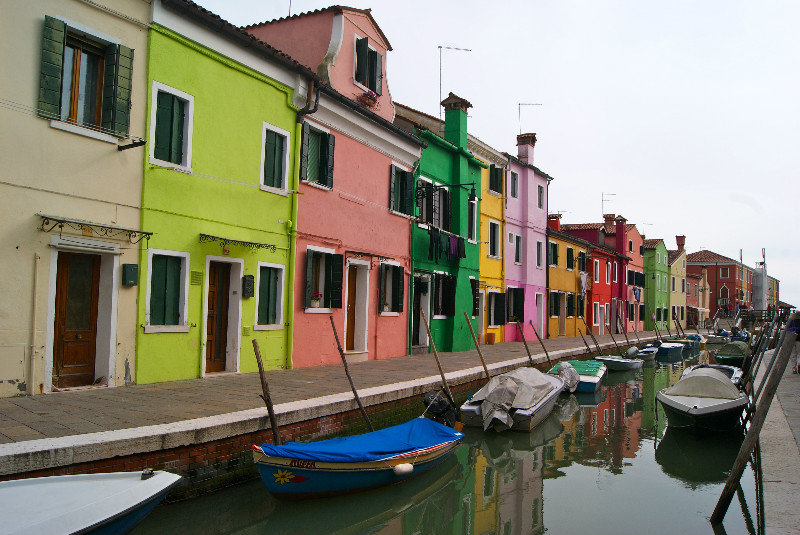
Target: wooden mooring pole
x=625, y=332
x=589, y=332
x=436, y=356
x=522, y=335
x=273, y=422
x=477, y=346
x=349, y=378
x=546, y=354
x=751, y=439
x=588, y=349
x=615, y=343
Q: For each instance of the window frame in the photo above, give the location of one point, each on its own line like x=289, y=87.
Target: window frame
x=321, y=279
x=514, y=186
x=183, y=301
x=279, y=299
x=393, y=169
x=472, y=230
x=318, y=129
x=539, y=255
x=608, y=272
x=595, y=313
x=188, y=126
x=540, y=196
x=284, y=190
x=378, y=89
x=597, y=270
x=493, y=236
x=552, y=246
x=518, y=249
x=615, y=270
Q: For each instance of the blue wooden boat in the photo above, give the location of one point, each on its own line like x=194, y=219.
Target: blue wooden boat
x=85, y=503
x=299, y=470
x=670, y=348
x=591, y=373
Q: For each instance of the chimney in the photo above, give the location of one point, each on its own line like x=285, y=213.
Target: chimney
x=609, y=224
x=455, y=120
x=622, y=235
x=554, y=221
x=525, y=144
x=681, y=241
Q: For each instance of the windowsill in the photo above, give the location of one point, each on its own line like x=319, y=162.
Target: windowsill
x=518, y=263
x=400, y=214
x=82, y=131
x=474, y=242
x=276, y=191
x=495, y=193
x=273, y=327
x=316, y=185
x=171, y=165
x=490, y=257
x=363, y=87
x=166, y=329
x=390, y=314
x=439, y=317
x=311, y=310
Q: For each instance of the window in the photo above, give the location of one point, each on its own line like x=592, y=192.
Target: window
x=269, y=300
x=553, y=254
x=444, y=295
x=472, y=220
x=435, y=205
x=555, y=304
x=570, y=258
x=641, y=249
x=683, y=285
x=391, y=279
x=682, y=313
x=514, y=184
x=84, y=80
x=323, y=279
x=695, y=290
x=658, y=282
x=595, y=313
x=581, y=305
x=570, y=304
x=275, y=158
x=538, y=254
x=516, y=304
x=401, y=190
x=641, y=311
x=630, y=245
x=596, y=271
x=631, y=311
x=658, y=314
x=615, y=271
x=316, y=158
x=540, y=197
x=171, y=126
x=495, y=179
x=581, y=260
x=608, y=314
x=723, y=273
x=166, y=303
x=665, y=282
x=658, y=257
x=518, y=249
x=368, y=66
x=608, y=272
x=494, y=240
x=684, y=264
x=673, y=284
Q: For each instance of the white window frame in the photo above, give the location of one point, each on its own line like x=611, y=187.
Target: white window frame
x=608, y=272
x=472, y=206
x=673, y=284
x=615, y=270
x=727, y=273
x=496, y=236
x=321, y=285
x=186, y=165
x=539, y=253
x=596, y=270
x=574, y=258
x=278, y=325
x=595, y=313
x=314, y=183
x=284, y=190
x=658, y=257
x=490, y=304
x=658, y=283
x=518, y=247
x=422, y=206
x=387, y=290
x=183, y=326
x=608, y=314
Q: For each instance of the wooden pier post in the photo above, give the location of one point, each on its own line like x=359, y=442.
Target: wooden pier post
x=522, y=335
x=589, y=332
x=349, y=378
x=436, y=356
x=273, y=422
x=546, y=354
x=477, y=346
x=588, y=349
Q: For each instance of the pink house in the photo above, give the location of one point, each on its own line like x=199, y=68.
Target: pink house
x=355, y=200
x=526, y=216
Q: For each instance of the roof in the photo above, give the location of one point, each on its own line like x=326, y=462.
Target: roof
x=335, y=9
x=652, y=244
x=218, y=25
x=706, y=256
x=529, y=166
x=694, y=276
x=784, y=305
x=595, y=226
x=574, y=239
x=674, y=255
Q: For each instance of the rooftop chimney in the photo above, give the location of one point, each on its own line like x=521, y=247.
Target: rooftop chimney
x=622, y=235
x=681, y=241
x=554, y=221
x=455, y=120
x=525, y=144
x=609, y=223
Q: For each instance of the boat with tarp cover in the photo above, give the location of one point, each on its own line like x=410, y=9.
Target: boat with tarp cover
x=733, y=354
x=591, y=373
x=298, y=470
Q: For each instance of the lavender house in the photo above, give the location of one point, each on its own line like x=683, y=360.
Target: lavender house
x=526, y=227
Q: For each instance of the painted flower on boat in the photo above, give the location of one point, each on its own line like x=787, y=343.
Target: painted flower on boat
x=283, y=476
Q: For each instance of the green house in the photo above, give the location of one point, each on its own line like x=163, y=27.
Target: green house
x=656, y=273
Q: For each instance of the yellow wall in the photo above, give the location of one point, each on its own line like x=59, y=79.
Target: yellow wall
x=562, y=279
x=677, y=298
x=491, y=272
x=485, y=492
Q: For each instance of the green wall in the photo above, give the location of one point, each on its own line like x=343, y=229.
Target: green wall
x=222, y=197
x=653, y=297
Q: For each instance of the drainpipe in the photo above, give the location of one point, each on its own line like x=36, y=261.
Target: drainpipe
x=546, y=303
x=32, y=363
x=292, y=223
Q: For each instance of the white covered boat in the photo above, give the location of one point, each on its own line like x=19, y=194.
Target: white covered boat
x=734, y=374
x=620, y=364
x=703, y=400
x=518, y=400
x=85, y=503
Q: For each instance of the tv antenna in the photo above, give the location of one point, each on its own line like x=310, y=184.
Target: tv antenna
x=603, y=202
x=519, y=111
x=442, y=47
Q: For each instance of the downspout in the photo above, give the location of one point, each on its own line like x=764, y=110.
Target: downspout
x=292, y=223
x=32, y=362
x=546, y=304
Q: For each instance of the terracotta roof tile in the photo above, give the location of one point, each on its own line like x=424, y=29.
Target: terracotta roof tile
x=706, y=256
x=652, y=244
x=674, y=255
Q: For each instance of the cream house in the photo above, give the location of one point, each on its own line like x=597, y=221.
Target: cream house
x=677, y=285
x=70, y=191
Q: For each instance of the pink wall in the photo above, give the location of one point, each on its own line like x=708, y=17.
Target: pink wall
x=315, y=30
x=353, y=216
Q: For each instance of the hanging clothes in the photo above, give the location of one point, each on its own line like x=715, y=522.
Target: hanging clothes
x=584, y=281
x=461, y=250
x=454, y=246
x=435, y=245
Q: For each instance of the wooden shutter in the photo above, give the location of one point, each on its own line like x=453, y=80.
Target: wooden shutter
x=362, y=49
x=304, y=151
x=165, y=290
x=163, y=129
x=398, y=285
x=381, y=287
x=267, y=296
x=309, y=276
x=54, y=37
x=176, y=145
x=329, y=163
x=476, y=299
x=158, y=270
x=449, y=295
x=393, y=188
x=499, y=309
x=333, y=280
x=519, y=304
x=408, y=192
x=273, y=159
x=117, y=89
x=378, y=73
x=570, y=258
x=429, y=196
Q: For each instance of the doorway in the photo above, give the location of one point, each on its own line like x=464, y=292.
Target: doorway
x=562, y=315
x=540, y=314
x=75, y=326
x=422, y=288
x=482, y=317
x=355, y=321
x=219, y=280
x=601, y=320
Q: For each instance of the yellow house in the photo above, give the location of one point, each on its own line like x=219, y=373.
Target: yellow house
x=678, y=286
x=492, y=248
x=567, y=281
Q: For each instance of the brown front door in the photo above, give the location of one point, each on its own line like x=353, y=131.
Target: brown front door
x=352, y=272
x=219, y=281
x=77, y=287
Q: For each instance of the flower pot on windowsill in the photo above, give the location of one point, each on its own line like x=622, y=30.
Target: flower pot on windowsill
x=386, y=308
x=368, y=99
x=315, y=303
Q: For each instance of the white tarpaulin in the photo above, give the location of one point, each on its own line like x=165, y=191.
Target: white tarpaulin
x=519, y=389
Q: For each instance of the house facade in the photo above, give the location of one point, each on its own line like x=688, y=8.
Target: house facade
x=725, y=280
x=677, y=284
x=656, y=278
x=71, y=192
x=568, y=280
x=444, y=235
x=526, y=227
x=356, y=201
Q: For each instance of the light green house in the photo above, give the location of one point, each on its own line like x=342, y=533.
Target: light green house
x=656, y=274
x=220, y=174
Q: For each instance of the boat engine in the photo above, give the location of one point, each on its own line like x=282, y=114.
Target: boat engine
x=439, y=409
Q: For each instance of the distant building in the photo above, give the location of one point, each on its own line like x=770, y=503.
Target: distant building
x=656, y=274
x=726, y=280
x=568, y=280
x=677, y=283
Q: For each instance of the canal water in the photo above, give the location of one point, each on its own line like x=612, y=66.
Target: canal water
x=604, y=463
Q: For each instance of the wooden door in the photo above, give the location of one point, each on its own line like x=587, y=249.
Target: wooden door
x=75, y=344
x=415, y=315
x=219, y=282
x=352, y=277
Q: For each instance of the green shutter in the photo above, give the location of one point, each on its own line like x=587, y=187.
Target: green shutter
x=176, y=137
x=378, y=73
x=398, y=284
x=268, y=296
x=172, y=291
x=329, y=163
x=312, y=157
x=445, y=209
x=273, y=159
x=394, y=189
x=304, y=151
x=408, y=192
x=158, y=270
x=381, y=286
x=499, y=309
x=570, y=258
x=165, y=290
x=333, y=280
x=309, y=276
x=474, y=285
x=54, y=35
x=117, y=89
x=163, y=125
x=362, y=50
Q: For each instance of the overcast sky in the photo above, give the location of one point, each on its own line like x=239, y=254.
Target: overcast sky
x=687, y=112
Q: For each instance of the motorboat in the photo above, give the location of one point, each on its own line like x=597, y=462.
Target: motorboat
x=518, y=400
x=591, y=373
x=733, y=354
x=703, y=400
x=616, y=363
x=734, y=374
x=82, y=503
x=298, y=470
x=670, y=348
x=647, y=353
